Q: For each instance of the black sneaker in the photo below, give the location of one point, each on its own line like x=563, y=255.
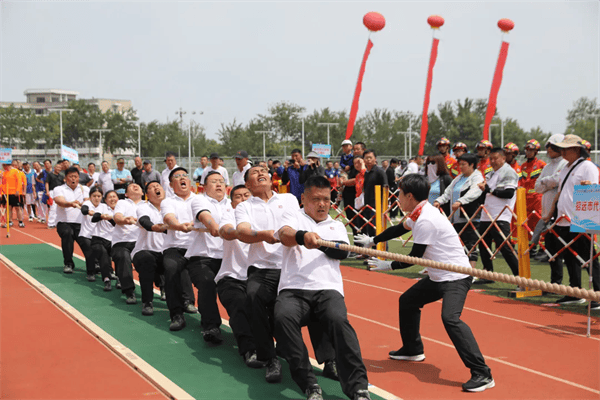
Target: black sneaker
x=91, y=278
x=163, y=294
x=107, y=285
x=131, y=299
x=177, y=323
x=330, y=370
x=570, y=300
x=595, y=305
x=189, y=308
x=478, y=383
x=314, y=392
x=68, y=269
x=273, y=374
x=406, y=356
x=213, y=335
x=148, y=309
x=362, y=394
x=252, y=360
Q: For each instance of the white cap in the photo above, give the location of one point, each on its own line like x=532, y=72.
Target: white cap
x=556, y=138
x=347, y=142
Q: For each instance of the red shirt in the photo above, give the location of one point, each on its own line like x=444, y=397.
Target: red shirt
x=530, y=171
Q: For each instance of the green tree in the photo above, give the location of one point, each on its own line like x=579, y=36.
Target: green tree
x=580, y=122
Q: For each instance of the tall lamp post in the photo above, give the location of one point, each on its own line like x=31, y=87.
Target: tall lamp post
x=100, y=143
x=181, y=113
x=490, y=130
x=409, y=132
x=595, y=116
x=139, y=125
x=60, y=111
x=264, y=148
x=327, y=124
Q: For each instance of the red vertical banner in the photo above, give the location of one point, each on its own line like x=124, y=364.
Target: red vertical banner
x=354, y=109
x=491, y=107
x=424, y=119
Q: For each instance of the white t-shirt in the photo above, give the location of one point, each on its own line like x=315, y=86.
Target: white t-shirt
x=263, y=216
x=311, y=269
x=203, y=243
x=235, y=252
x=412, y=168
x=165, y=183
x=585, y=171
x=152, y=241
x=126, y=233
x=87, y=226
x=105, y=181
x=504, y=178
x=443, y=245
x=220, y=170
x=183, y=212
x=103, y=228
x=70, y=214
x=238, y=177
x=94, y=178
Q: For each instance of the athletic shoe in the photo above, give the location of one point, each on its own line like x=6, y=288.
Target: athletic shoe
x=10, y=223
x=189, y=308
x=118, y=285
x=43, y=221
x=91, y=278
x=273, y=374
x=314, y=392
x=406, y=356
x=478, y=383
x=252, y=360
x=595, y=305
x=131, y=299
x=362, y=394
x=30, y=219
x=423, y=271
x=148, y=309
x=330, y=370
x=68, y=269
x=213, y=335
x=177, y=322
x=107, y=285
x=570, y=300
x=21, y=224
x=163, y=294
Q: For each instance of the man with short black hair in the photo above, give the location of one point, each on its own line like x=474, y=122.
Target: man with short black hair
x=171, y=165
x=198, y=172
x=150, y=175
x=241, y=161
x=390, y=173
x=215, y=166
x=349, y=188
x=92, y=174
x=105, y=178
x=375, y=176
x=292, y=173
x=54, y=180
x=136, y=172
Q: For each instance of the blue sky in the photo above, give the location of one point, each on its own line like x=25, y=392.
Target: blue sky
x=234, y=59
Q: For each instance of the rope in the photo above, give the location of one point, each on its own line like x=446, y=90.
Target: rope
x=479, y=273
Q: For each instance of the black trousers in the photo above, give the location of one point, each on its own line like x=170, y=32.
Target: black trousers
x=149, y=265
x=69, y=234
x=368, y=224
x=350, y=213
x=295, y=308
x=121, y=255
x=553, y=245
x=102, y=250
x=261, y=292
x=453, y=295
x=582, y=247
x=232, y=293
x=468, y=237
x=178, y=286
x=202, y=272
x=494, y=236
x=90, y=259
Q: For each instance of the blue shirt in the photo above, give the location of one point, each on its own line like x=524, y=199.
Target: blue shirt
x=30, y=180
x=296, y=188
x=346, y=159
x=41, y=187
x=434, y=192
x=116, y=174
x=332, y=173
x=456, y=195
x=197, y=173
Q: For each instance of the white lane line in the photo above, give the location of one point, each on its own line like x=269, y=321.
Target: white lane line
x=372, y=388
x=161, y=382
x=489, y=358
x=487, y=313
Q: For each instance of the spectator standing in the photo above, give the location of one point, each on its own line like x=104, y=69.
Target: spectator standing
x=105, y=178
x=439, y=179
x=346, y=162
x=393, y=186
x=292, y=173
x=198, y=172
x=374, y=176
x=40, y=189
x=241, y=162
x=30, y=194
x=150, y=175
x=333, y=176
x=121, y=178
x=215, y=165
x=483, y=149
x=54, y=180
x=511, y=151
x=92, y=174
x=84, y=178
x=443, y=146
x=459, y=149
x=171, y=165
x=349, y=190
x=136, y=172
x=313, y=167
x=530, y=171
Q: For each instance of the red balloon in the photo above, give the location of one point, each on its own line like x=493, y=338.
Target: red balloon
x=506, y=24
x=435, y=21
x=374, y=21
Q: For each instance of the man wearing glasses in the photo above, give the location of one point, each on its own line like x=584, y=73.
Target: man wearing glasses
x=121, y=177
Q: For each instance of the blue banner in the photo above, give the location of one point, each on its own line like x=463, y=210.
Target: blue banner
x=586, y=200
x=70, y=154
x=323, y=150
x=6, y=156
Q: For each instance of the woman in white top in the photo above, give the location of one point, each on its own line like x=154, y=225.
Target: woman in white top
x=102, y=236
x=88, y=208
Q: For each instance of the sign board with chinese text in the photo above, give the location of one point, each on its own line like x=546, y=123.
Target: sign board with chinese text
x=5, y=156
x=324, y=150
x=70, y=154
x=586, y=200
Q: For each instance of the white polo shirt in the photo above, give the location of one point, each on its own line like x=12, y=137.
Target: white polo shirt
x=94, y=178
x=264, y=216
x=311, y=269
x=166, y=183
x=151, y=241
x=126, y=233
x=504, y=178
x=585, y=171
x=103, y=229
x=203, y=243
x=434, y=230
x=235, y=252
x=105, y=181
x=238, y=177
x=183, y=211
x=70, y=214
x=87, y=226
x=219, y=169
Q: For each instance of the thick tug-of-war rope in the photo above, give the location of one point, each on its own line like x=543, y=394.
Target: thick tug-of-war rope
x=479, y=273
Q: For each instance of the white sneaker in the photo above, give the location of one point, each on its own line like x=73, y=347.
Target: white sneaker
x=423, y=271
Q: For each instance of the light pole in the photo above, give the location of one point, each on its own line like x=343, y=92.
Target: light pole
x=181, y=113
x=264, y=148
x=327, y=124
x=60, y=111
x=100, y=144
x=490, y=131
x=409, y=132
x=595, y=116
x=139, y=125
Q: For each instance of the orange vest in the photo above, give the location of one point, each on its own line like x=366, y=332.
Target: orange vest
x=452, y=165
x=530, y=171
x=515, y=165
x=484, y=166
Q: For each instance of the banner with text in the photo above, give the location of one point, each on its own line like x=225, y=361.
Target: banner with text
x=324, y=150
x=5, y=156
x=586, y=200
x=70, y=154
